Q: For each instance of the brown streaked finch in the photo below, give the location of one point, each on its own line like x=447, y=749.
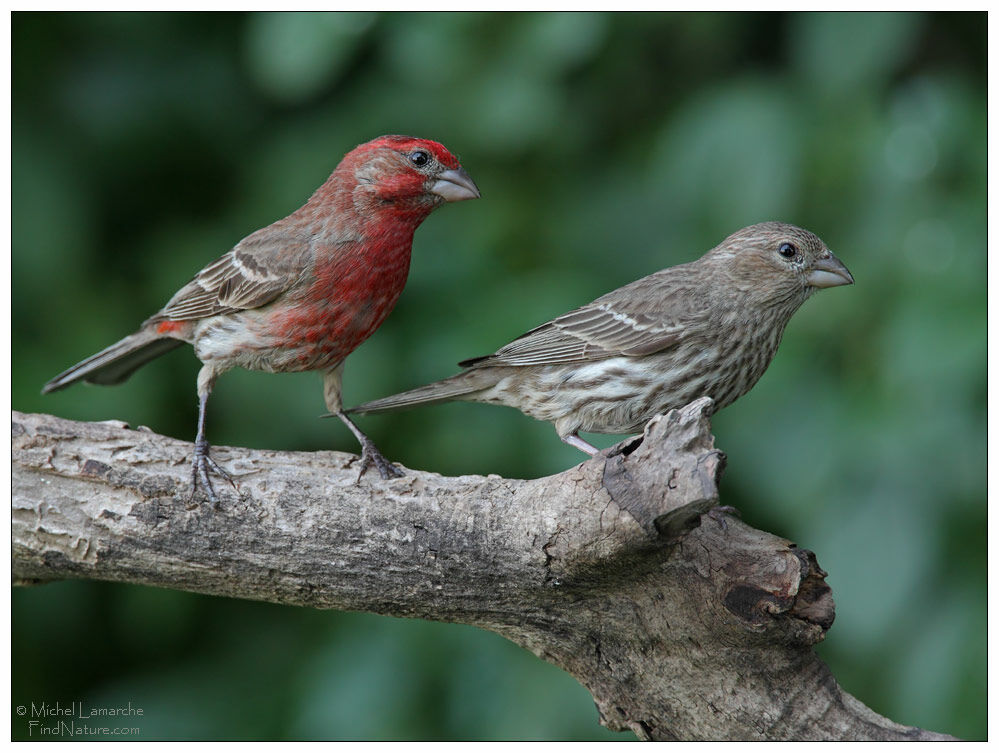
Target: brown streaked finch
x=706, y=328
x=302, y=293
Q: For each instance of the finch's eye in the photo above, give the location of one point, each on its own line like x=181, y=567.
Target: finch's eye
x=419, y=158
x=787, y=250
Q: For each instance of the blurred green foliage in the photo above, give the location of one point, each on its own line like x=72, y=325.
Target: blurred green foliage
x=606, y=146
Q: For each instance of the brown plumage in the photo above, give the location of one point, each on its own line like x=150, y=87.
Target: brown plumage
x=709, y=327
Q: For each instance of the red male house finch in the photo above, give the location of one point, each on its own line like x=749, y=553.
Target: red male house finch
x=709, y=327
x=302, y=293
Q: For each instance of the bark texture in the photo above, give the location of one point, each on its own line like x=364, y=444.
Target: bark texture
x=682, y=621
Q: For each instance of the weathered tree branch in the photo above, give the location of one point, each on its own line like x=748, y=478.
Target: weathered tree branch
x=682, y=621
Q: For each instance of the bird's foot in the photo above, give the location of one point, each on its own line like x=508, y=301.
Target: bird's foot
x=203, y=465
x=579, y=443
x=370, y=456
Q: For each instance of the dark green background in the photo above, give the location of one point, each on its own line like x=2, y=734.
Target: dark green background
x=606, y=146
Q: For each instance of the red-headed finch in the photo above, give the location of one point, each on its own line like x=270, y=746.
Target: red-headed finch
x=709, y=327
x=302, y=293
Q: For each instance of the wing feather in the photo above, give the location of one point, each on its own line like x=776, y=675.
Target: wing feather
x=254, y=273
x=640, y=319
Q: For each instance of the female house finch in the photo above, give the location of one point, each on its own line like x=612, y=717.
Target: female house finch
x=709, y=327
x=302, y=293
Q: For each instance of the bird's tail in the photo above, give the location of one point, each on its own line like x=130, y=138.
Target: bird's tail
x=116, y=363
x=458, y=387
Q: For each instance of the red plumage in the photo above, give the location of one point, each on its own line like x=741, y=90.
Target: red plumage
x=302, y=293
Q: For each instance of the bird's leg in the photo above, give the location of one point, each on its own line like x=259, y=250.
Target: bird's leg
x=579, y=443
x=203, y=462
x=370, y=456
x=369, y=453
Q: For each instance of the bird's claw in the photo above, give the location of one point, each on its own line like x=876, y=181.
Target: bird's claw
x=203, y=464
x=370, y=456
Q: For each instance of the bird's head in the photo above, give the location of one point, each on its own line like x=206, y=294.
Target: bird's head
x=406, y=174
x=774, y=261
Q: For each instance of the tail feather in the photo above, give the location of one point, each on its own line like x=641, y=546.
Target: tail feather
x=115, y=363
x=453, y=388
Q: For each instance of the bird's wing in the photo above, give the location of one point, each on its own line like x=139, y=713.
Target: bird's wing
x=259, y=269
x=633, y=321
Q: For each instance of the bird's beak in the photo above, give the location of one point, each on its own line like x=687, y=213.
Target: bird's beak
x=455, y=185
x=827, y=272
